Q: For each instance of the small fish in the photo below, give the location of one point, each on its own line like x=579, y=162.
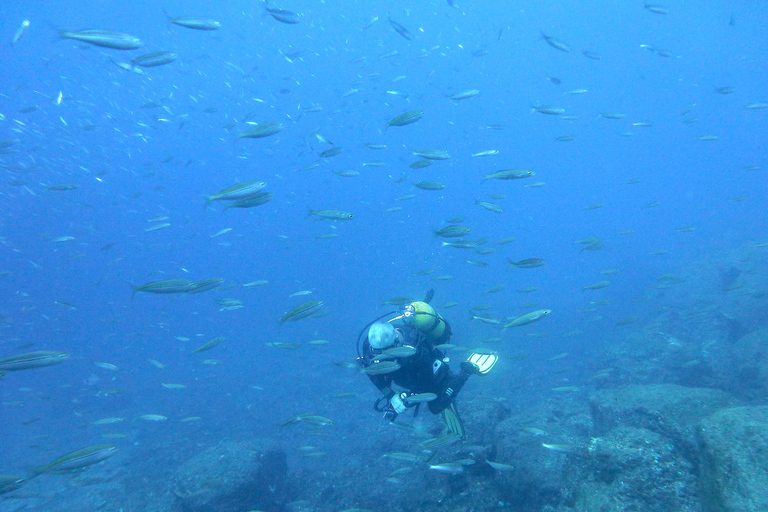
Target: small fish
x=31, y=360
x=20, y=32
x=657, y=9
x=448, y=467
x=332, y=214
x=381, y=368
x=107, y=366
x=208, y=345
x=262, y=130
x=77, y=461
x=420, y=398
x=510, y=174
x=528, y=263
x=597, y=286
x=528, y=318
x=429, y=185
x=107, y=421
x=498, y=466
x=401, y=29
x=301, y=311
x=463, y=95
x=406, y=119
x=196, y=23
x=167, y=385
x=550, y=110
x=488, y=152
x=561, y=448
x=433, y=154
x=152, y=417
x=104, y=39
x=281, y=15
x=556, y=43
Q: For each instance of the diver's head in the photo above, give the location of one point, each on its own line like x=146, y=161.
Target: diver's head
x=382, y=335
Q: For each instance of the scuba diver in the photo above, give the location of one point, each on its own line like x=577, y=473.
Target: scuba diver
x=406, y=351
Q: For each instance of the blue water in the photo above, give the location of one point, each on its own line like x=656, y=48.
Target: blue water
x=138, y=163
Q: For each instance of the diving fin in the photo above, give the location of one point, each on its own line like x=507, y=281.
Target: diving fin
x=429, y=295
x=484, y=362
x=453, y=423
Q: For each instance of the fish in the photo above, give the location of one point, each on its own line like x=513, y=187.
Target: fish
x=31, y=360
x=371, y=145
x=462, y=244
x=756, y=106
x=152, y=417
x=597, y=286
x=550, y=110
x=251, y=201
x=167, y=385
x=331, y=152
x=399, y=352
x=406, y=119
x=399, y=301
x=9, y=483
x=657, y=9
x=262, y=130
x=154, y=59
x=498, y=466
x=488, y=152
x=510, y=174
x=486, y=319
x=561, y=448
x=591, y=55
x=19, y=33
x=77, y=461
x=421, y=398
x=303, y=310
x=165, y=286
x=208, y=345
x=429, y=185
x=490, y=206
x=196, y=23
x=205, y=285
x=528, y=318
x=332, y=214
x=528, y=263
x=380, y=367
x=107, y=366
x=107, y=421
x=556, y=43
x=453, y=231
x=104, y=39
x=433, y=154
x=463, y=95
x=431, y=445
x=401, y=29
x=420, y=164
x=63, y=186
x=448, y=467
x=613, y=115
x=281, y=15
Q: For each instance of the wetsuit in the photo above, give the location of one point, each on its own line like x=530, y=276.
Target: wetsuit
x=423, y=372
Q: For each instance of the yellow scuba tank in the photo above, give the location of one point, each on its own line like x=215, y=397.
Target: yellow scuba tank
x=423, y=317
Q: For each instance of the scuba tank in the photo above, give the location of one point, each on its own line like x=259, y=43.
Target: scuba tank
x=422, y=316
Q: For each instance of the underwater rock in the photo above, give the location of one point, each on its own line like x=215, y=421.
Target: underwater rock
x=669, y=410
x=537, y=480
x=231, y=477
x=750, y=356
x=631, y=469
x=733, y=467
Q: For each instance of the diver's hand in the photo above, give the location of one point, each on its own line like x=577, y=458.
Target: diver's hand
x=397, y=403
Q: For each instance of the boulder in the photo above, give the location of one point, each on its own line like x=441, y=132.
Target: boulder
x=669, y=410
x=231, y=477
x=631, y=469
x=734, y=460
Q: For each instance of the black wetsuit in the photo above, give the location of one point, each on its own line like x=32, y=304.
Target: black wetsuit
x=423, y=372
